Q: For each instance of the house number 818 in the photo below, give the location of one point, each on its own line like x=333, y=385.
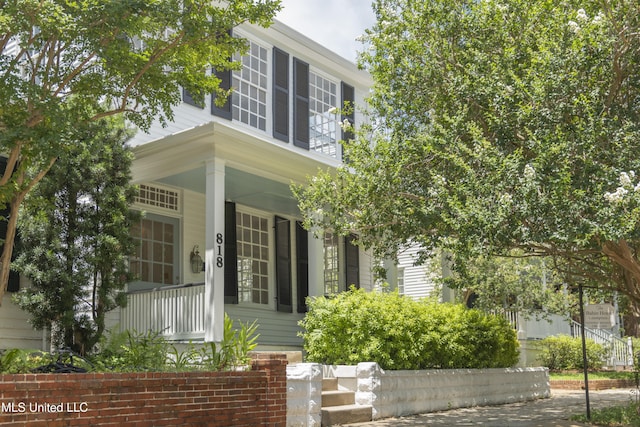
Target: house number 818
x=219, y=257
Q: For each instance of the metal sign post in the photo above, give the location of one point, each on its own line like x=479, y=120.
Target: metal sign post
x=584, y=354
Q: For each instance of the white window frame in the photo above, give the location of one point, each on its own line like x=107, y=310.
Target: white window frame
x=400, y=278
x=244, y=77
x=176, y=276
x=328, y=118
x=269, y=305
x=171, y=215
x=332, y=280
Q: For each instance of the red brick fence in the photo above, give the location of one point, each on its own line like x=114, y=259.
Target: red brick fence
x=602, y=384
x=253, y=398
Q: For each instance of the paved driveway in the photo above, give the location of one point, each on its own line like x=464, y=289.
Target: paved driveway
x=552, y=412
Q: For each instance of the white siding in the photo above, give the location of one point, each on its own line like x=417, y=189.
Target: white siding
x=276, y=329
x=193, y=226
x=15, y=329
x=366, y=271
x=112, y=321
x=418, y=282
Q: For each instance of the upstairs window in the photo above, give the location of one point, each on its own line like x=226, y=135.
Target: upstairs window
x=322, y=116
x=249, y=99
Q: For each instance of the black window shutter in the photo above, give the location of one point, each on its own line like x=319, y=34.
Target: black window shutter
x=225, y=77
x=283, y=265
x=14, y=278
x=189, y=99
x=352, y=262
x=302, y=266
x=230, y=254
x=280, y=95
x=301, y=104
x=348, y=95
x=225, y=83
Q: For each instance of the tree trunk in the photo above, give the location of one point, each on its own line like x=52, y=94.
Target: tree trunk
x=12, y=224
x=7, y=251
x=624, y=256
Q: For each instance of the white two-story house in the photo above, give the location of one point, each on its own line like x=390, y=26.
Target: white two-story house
x=221, y=230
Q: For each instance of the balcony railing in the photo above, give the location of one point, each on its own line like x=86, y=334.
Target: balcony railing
x=175, y=312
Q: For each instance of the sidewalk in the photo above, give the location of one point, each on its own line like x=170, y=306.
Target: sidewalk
x=552, y=412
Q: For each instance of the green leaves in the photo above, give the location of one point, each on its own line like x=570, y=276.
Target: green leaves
x=562, y=352
x=400, y=333
x=75, y=237
x=499, y=125
x=65, y=64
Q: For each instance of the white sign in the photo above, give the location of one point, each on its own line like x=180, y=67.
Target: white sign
x=599, y=316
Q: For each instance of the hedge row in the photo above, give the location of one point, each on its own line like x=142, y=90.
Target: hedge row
x=398, y=332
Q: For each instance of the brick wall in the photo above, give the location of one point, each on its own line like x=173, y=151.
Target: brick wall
x=252, y=398
x=593, y=384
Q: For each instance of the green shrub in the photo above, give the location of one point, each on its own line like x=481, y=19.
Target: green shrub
x=17, y=361
x=400, y=333
x=562, y=352
x=149, y=351
x=131, y=351
x=234, y=349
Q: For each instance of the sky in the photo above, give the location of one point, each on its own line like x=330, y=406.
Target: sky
x=333, y=23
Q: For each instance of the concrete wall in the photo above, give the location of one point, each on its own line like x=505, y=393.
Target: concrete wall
x=304, y=395
x=397, y=393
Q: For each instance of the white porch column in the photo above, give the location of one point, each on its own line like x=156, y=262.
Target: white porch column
x=214, y=254
x=316, y=266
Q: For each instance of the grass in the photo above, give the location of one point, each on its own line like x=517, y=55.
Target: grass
x=625, y=415
x=614, y=416
x=599, y=375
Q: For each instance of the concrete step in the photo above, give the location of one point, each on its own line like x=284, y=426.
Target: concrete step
x=347, y=414
x=338, y=398
x=329, y=384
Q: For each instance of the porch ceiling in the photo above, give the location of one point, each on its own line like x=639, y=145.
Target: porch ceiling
x=189, y=150
x=242, y=187
x=259, y=170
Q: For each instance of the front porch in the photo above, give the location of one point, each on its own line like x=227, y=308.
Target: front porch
x=177, y=313
x=224, y=195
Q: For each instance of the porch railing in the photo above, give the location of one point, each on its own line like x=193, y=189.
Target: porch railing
x=620, y=351
x=176, y=312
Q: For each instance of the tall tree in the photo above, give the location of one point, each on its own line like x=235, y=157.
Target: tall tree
x=499, y=125
x=64, y=64
x=75, y=238
x=530, y=286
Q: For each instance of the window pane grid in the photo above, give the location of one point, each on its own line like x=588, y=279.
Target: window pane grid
x=253, y=258
x=154, y=258
x=322, y=123
x=249, y=98
x=158, y=197
x=331, y=273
